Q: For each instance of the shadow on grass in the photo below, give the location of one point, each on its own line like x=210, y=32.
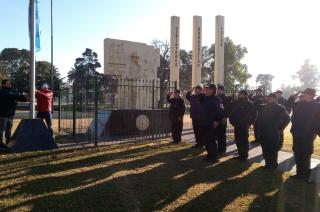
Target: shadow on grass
x=167, y=178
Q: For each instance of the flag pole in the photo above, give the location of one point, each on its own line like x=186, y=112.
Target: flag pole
x=32, y=63
x=52, y=84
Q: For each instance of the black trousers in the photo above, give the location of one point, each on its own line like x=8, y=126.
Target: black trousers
x=256, y=133
x=281, y=139
x=241, y=134
x=209, y=139
x=222, y=138
x=270, y=148
x=303, y=149
x=176, y=130
x=197, y=130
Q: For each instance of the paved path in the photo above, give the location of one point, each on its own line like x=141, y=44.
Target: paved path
x=285, y=159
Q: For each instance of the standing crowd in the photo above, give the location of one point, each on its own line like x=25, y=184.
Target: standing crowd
x=210, y=110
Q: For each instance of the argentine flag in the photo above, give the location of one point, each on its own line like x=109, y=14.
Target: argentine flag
x=37, y=24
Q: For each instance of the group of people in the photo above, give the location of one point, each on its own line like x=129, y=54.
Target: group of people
x=210, y=110
x=8, y=103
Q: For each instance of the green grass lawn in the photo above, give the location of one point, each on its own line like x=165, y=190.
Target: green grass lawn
x=146, y=176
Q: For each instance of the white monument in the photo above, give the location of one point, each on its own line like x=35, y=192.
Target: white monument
x=219, y=51
x=196, y=50
x=136, y=64
x=130, y=60
x=175, y=49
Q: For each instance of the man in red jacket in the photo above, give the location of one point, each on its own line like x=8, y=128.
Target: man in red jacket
x=44, y=105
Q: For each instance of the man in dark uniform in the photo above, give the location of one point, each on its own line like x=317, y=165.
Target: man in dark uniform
x=8, y=104
x=282, y=101
x=176, y=112
x=209, y=121
x=304, y=130
x=222, y=128
x=258, y=100
x=272, y=119
x=195, y=111
x=242, y=115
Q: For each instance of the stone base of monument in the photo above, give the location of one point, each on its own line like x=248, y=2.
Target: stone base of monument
x=118, y=124
x=32, y=135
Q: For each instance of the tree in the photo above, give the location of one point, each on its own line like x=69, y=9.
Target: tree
x=308, y=75
x=185, y=74
x=234, y=71
x=164, y=69
x=2, y=71
x=13, y=59
x=265, y=80
x=84, y=69
x=15, y=64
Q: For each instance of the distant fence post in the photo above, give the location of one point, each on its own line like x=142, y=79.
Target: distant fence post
x=96, y=110
x=59, y=110
x=153, y=115
x=74, y=111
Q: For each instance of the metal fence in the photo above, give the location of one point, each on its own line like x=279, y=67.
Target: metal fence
x=115, y=110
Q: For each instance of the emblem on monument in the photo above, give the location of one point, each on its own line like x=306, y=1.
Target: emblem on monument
x=142, y=122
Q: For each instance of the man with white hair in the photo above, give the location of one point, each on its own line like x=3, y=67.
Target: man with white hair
x=44, y=105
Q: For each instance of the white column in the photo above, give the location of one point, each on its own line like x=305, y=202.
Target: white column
x=196, y=50
x=219, y=51
x=175, y=49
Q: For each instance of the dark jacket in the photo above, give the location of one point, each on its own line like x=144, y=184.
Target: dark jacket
x=304, y=118
x=282, y=101
x=226, y=101
x=243, y=113
x=212, y=111
x=176, y=109
x=272, y=118
x=257, y=101
x=8, y=102
x=195, y=104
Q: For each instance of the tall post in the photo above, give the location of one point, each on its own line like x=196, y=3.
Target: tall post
x=196, y=50
x=96, y=110
x=32, y=62
x=175, y=49
x=74, y=110
x=219, y=51
x=52, y=84
x=59, y=110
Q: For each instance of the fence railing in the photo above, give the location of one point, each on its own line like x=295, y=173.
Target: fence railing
x=116, y=110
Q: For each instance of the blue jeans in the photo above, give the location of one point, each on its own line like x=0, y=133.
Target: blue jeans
x=47, y=116
x=5, y=125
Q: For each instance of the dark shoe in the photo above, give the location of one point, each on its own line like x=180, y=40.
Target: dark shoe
x=212, y=160
x=255, y=143
x=240, y=158
x=296, y=177
x=2, y=146
x=269, y=168
x=221, y=155
x=308, y=181
x=197, y=146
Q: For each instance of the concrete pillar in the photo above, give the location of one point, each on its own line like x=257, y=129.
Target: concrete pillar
x=175, y=49
x=196, y=50
x=219, y=51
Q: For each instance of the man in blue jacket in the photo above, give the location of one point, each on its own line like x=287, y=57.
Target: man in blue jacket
x=195, y=112
x=210, y=120
x=8, y=99
x=304, y=129
x=272, y=120
x=243, y=114
x=176, y=112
